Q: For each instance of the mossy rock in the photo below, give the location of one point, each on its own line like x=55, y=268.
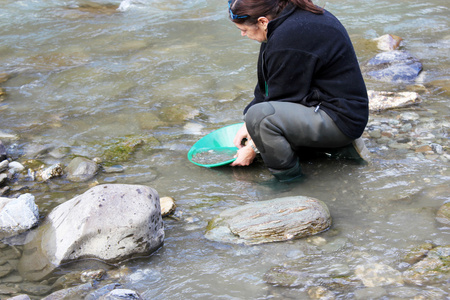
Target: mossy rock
x=122, y=149
x=435, y=268
x=418, y=253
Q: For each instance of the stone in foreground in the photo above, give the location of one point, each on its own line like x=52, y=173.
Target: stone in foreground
x=276, y=220
x=109, y=222
x=17, y=215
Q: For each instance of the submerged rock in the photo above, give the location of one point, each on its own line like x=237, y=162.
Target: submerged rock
x=286, y=277
x=81, y=169
x=443, y=214
x=108, y=222
x=179, y=113
x=393, y=66
x=434, y=268
x=380, y=100
x=417, y=253
x=373, y=275
x=123, y=149
x=17, y=215
x=274, y=220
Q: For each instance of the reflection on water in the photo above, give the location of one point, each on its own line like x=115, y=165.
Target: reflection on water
x=83, y=74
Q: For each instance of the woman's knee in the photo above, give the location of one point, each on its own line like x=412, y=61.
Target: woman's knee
x=257, y=113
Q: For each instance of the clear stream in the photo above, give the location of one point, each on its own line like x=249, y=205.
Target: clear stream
x=84, y=75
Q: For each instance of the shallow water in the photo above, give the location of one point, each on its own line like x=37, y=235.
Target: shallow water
x=213, y=157
x=175, y=71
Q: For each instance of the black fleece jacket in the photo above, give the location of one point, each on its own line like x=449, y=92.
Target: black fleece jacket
x=309, y=59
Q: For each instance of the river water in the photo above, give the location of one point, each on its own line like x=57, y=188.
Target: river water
x=84, y=75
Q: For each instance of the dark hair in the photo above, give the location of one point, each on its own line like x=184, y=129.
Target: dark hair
x=248, y=11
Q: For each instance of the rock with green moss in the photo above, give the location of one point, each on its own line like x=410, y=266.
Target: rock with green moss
x=417, y=253
x=276, y=220
x=434, y=268
x=122, y=149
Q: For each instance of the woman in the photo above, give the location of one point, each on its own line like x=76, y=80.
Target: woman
x=310, y=91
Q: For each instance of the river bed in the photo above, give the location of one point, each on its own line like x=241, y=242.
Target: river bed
x=86, y=75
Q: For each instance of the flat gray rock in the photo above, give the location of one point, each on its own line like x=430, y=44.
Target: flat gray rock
x=276, y=220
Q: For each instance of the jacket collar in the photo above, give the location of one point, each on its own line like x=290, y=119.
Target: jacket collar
x=275, y=23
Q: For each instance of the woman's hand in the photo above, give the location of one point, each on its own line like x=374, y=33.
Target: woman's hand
x=245, y=156
x=240, y=135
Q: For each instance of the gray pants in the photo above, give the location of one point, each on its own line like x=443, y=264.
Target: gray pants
x=279, y=129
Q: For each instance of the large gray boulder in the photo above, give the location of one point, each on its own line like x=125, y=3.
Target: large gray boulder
x=109, y=222
x=274, y=220
x=17, y=215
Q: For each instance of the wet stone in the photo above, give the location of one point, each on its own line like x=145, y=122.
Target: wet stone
x=434, y=268
x=34, y=288
x=443, y=214
x=382, y=100
x=48, y=173
x=95, y=295
x=167, y=206
x=286, y=277
x=393, y=66
x=417, y=253
x=59, y=152
x=76, y=292
x=92, y=275
x=125, y=147
x=16, y=166
x=3, y=178
x=396, y=145
x=275, y=220
x=4, y=165
x=81, y=169
x=374, y=275
x=179, y=113
x=388, y=42
x=8, y=290
x=5, y=270
x=12, y=279
x=423, y=148
x=319, y=292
